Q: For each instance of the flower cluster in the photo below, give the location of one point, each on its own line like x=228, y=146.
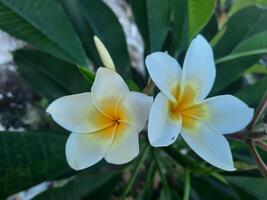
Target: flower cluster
x=106, y=121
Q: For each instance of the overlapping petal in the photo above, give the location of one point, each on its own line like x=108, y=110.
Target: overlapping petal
x=136, y=107
x=227, y=113
x=209, y=144
x=199, y=67
x=125, y=146
x=162, y=129
x=165, y=71
x=108, y=87
x=84, y=150
x=76, y=113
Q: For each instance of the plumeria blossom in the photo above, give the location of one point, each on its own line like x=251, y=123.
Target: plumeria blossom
x=181, y=106
x=104, y=122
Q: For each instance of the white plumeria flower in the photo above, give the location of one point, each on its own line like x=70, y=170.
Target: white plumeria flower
x=181, y=106
x=104, y=123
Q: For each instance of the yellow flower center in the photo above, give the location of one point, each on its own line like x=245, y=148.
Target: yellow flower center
x=110, y=116
x=185, y=106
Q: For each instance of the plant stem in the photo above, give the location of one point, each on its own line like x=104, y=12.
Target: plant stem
x=259, y=111
x=262, y=145
x=135, y=173
x=257, y=158
x=149, y=87
x=160, y=167
x=247, y=135
x=186, y=185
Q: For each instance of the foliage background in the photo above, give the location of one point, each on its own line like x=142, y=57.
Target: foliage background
x=59, y=58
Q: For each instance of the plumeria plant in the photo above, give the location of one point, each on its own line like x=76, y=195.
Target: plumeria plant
x=121, y=118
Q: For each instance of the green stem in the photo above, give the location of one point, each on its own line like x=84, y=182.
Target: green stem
x=186, y=185
x=257, y=157
x=261, y=108
x=135, y=173
x=160, y=167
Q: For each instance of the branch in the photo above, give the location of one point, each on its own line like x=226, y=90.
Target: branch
x=247, y=135
x=257, y=158
x=262, y=145
x=259, y=111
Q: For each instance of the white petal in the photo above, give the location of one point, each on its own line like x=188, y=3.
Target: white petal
x=137, y=106
x=199, y=67
x=108, y=84
x=165, y=72
x=162, y=129
x=84, y=150
x=227, y=113
x=209, y=144
x=124, y=148
x=75, y=113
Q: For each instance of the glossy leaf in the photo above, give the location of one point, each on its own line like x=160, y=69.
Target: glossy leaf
x=107, y=27
x=46, y=27
x=250, y=21
x=252, y=94
x=74, y=11
x=83, y=186
x=199, y=13
x=158, y=16
x=240, y=4
x=139, y=9
x=254, y=45
x=29, y=158
x=253, y=186
x=49, y=75
x=231, y=71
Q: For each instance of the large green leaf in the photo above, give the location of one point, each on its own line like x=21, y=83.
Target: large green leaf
x=28, y=158
x=158, y=16
x=231, y=71
x=240, y=26
x=106, y=26
x=253, y=94
x=255, y=187
x=245, y=54
x=74, y=11
x=139, y=9
x=49, y=75
x=83, y=186
x=180, y=24
x=254, y=45
x=240, y=4
x=189, y=18
x=199, y=13
x=43, y=24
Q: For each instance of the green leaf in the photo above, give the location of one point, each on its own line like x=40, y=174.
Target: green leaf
x=245, y=54
x=255, y=187
x=43, y=24
x=240, y=4
x=49, y=75
x=189, y=17
x=231, y=71
x=257, y=69
x=158, y=13
x=208, y=188
x=139, y=10
x=85, y=32
x=250, y=21
x=252, y=94
x=82, y=186
x=254, y=45
x=28, y=158
x=107, y=27
x=180, y=24
x=199, y=13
